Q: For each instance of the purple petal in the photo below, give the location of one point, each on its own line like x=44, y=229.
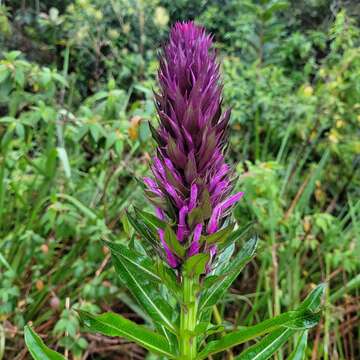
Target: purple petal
x=231, y=200
x=214, y=220
x=219, y=210
x=193, y=196
x=160, y=213
x=182, y=229
x=175, y=196
x=152, y=186
x=195, y=245
x=171, y=259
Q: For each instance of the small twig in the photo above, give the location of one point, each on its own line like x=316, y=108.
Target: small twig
x=297, y=198
x=103, y=264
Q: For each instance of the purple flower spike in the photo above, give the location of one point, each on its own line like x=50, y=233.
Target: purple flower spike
x=192, y=183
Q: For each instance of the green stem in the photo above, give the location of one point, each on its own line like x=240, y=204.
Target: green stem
x=188, y=321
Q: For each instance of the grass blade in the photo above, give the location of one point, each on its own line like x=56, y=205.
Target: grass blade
x=299, y=352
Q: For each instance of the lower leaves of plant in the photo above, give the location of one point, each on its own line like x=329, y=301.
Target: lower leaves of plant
x=186, y=314
x=37, y=348
x=182, y=324
x=112, y=324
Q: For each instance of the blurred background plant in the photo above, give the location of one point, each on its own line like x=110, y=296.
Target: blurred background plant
x=76, y=81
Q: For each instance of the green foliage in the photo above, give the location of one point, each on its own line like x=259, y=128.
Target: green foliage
x=141, y=279
x=115, y=325
x=76, y=82
x=37, y=348
x=304, y=318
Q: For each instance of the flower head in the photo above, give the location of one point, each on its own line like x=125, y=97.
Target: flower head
x=192, y=183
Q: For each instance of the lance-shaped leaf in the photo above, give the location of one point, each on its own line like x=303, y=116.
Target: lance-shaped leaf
x=241, y=234
x=173, y=243
x=143, y=263
x=305, y=317
x=215, y=292
x=37, y=348
x=150, y=219
x=265, y=348
x=146, y=294
x=222, y=260
x=168, y=279
x=195, y=265
x=291, y=319
x=146, y=233
x=313, y=301
x=112, y=324
x=219, y=236
x=299, y=352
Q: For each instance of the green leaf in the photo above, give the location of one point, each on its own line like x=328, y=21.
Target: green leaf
x=155, y=134
x=265, y=348
x=150, y=219
x=215, y=292
x=4, y=73
x=219, y=236
x=292, y=319
x=299, y=352
x=304, y=317
x=144, y=231
x=195, y=265
x=146, y=294
x=243, y=233
x=112, y=324
x=195, y=216
x=173, y=243
x=20, y=77
x=64, y=160
x=208, y=329
x=143, y=263
x=222, y=260
x=313, y=301
x=37, y=348
x=202, y=212
x=84, y=209
x=205, y=202
x=168, y=278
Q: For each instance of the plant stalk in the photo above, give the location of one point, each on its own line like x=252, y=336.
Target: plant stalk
x=188, y=320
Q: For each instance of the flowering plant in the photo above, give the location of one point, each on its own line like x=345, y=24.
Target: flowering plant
x=187, y=261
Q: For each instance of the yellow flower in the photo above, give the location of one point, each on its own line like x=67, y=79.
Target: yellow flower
x=98, y=15
x=334, y=136
x=126, y=28
x=134, y=128
x=113, y=34
x=161, y=18
x=82, y=3
x=71, y=8
x=322, y=72
x=340, y=123
x=357, y=148
x=308, y=90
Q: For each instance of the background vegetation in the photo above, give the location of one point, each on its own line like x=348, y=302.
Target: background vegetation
x=76, y=81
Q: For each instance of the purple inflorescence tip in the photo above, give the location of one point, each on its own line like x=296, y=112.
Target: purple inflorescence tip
x=192, y=183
